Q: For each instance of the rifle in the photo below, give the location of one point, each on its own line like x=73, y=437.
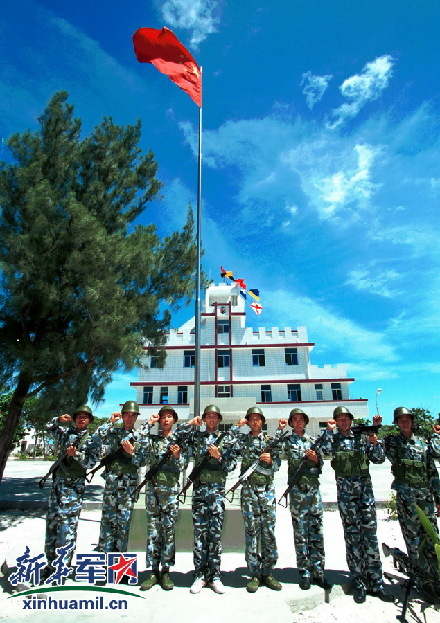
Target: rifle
x=108, y=459
x=154, y=469
x=403, y=565
x=366, y=429
x=61, y=460
x=401, y=561
x=253, y=466
x=197, y=469
x=299, y=470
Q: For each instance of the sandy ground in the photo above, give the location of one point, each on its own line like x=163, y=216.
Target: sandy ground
x=19, y=528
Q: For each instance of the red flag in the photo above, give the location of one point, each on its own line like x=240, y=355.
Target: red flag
x=163, y=49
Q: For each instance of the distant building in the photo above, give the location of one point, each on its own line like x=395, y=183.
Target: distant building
x=241, y=367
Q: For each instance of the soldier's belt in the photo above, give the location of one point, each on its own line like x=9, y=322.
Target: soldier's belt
x=305, y=481
x=259, y=480
x=410, y=472
x=166, y=478
x=211, y=476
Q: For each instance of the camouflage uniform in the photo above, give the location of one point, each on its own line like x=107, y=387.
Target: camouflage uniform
x=161, y=500
x=208, y=505
x=258, y=504
x=357, y=507
x=121, y=479
x=306, y=507
x=416, y=481
x=68, y=487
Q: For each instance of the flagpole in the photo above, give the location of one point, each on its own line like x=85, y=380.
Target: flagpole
x=198, y=270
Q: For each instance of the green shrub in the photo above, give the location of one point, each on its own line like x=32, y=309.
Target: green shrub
x=391, y=506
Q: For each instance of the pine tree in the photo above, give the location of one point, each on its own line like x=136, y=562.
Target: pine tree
x=82, y=287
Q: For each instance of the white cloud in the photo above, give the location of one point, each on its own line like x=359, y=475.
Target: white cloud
x=347, y=186
x=362, y=88
x=198, y=16
x=328, y=327
x=373, y=281
x=314, y=87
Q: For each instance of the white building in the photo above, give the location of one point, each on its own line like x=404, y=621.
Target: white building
x=242, y=367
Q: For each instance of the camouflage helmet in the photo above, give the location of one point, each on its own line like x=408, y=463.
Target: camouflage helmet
x=166, y=409
x=256, y=410
x=341, y=411
x=299, y=411
x=212, y=409
x=398, y=411
x=130, y=406
x=83, y=409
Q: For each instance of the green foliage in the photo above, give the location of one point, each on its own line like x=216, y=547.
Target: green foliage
x=21, y=429
x=81, y=285
x=361, y=421
x=97, y=421
x=391, y=507
x=424, y=421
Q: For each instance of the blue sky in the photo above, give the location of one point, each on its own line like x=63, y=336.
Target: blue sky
x=321, y=157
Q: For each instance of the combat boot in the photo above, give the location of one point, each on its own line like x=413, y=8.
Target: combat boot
x=271, y=582
x=359, y=592
x=166, y=582
x=305, y=582
x=379, y=591
x=320, y=581
x=150, y=582
x=253, y=584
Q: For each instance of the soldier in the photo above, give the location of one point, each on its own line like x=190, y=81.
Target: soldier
x=305, y=501
x=161, y=496
x=208, y=505
x=351, y=455
x=68, y=487
x=258, y=503
x=416, y=481
x=121, y=478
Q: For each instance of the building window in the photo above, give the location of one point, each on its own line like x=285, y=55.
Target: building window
x=163, y=396
x=224, y=391
x=258, y=358
x=223, y=358
x=222, y=326
x=294, y=392
x=224, y=427
x=318, y=390
x=182, y=394
x=266, y=393
x=291, y=356
x=148, y=395
x=154, y=361
x=234, y=300
x=189, y=359
x=336, y=391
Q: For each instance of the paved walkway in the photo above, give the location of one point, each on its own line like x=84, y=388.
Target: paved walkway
x=23, y=523
x=19, y=488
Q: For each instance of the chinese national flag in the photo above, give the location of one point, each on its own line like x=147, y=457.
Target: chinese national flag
x=162, y=49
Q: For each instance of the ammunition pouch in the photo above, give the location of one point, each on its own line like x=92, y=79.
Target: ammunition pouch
x=70, y=468
x=306, y=479
x=350, y=464
x=208, y=476
x=122, y=465
x=259, y=480
x=166, y=478
x=410, y=472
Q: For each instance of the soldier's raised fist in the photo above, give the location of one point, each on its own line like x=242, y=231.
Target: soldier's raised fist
x=377, y=420
x=282, y=423
x=331, y=425
x=114, y=416
x=242, y=421
x=65, y=418
x=153, y=419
